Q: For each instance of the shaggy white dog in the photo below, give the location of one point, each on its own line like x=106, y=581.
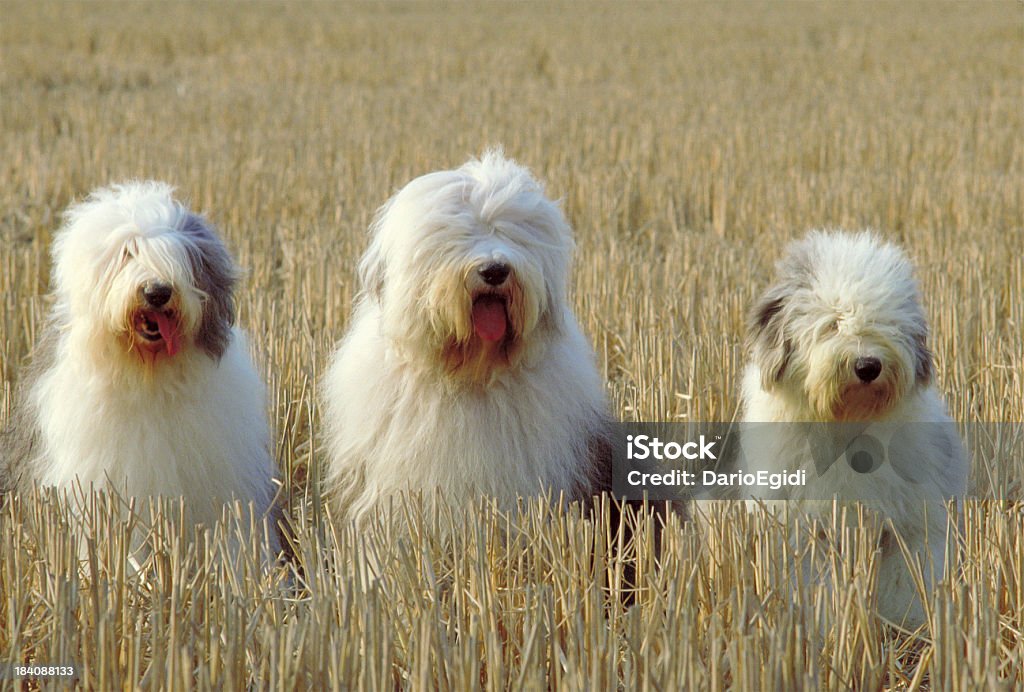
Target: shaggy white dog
x=464, y=371
x=840, y=343
x=140, y=383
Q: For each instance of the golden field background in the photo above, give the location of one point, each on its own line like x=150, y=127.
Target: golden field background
x=689, y=143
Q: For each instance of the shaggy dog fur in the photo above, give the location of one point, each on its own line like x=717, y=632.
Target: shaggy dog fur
x=464, y=371
x=840, y=341
x=140, y=384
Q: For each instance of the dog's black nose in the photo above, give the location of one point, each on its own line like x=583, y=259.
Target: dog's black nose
x=867, y=369
x=157, y=294
x=494, y=273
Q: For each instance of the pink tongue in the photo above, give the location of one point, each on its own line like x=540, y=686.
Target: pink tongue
x=489, y=318
x=168, y=332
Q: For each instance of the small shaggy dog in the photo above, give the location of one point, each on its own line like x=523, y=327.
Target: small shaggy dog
x=140, y=384
x=840, y=342
x=464, y=371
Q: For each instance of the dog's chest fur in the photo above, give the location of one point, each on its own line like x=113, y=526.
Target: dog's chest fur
x=401, y=427
x=194, y=427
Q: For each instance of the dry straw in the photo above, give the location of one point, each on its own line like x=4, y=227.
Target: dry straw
x=688, y=144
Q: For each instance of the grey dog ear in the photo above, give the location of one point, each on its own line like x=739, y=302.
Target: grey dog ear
x=372, y=265
x=922, y=359
x=215, y=275
x=766, y=336
x=373, y=271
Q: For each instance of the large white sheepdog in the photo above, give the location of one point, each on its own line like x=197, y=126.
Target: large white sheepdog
x=840, y=342
x=140, y=383
x=464, y=371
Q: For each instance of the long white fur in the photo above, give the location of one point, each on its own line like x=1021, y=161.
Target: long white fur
x=198, y=431
x=193, y=425
x=398, y=416
x=840, y=296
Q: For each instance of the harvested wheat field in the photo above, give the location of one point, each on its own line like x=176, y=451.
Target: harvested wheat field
x=688, y=143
